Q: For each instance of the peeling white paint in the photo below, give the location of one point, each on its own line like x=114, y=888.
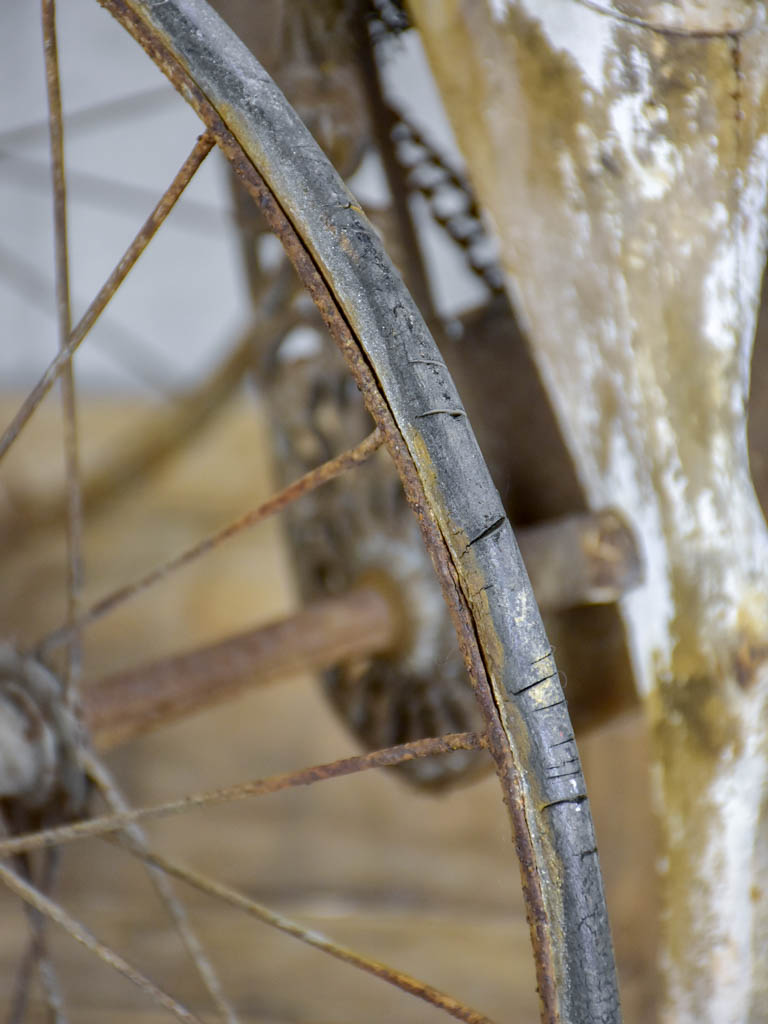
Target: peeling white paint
x=727, y=914
x=752, y=240
x=721, y=301
x=572, y=189
x=637, y=121
x=585, y=35
x=714, y=16
x=498, y=9
x=707, y=515
x=722, y=521
x=649, y=607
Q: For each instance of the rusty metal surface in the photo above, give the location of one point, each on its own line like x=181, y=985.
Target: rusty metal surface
x=589, y=557
x=308, y=482
x=136, y=700
x=389, y=757
x=405, y=982
x=426, y=430
x=55, y=368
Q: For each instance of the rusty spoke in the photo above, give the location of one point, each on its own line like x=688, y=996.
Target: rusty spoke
x=201, y=149
x=387, y=757
x=93, y=190
x=574, y=560
x=175, y=909
x=54, y=912
x=143, y=452
x=331, y=630
x=120, y=345
x=306, y=483
x=74, y=500
x=163, y=435
x=36, y=955
x=405, y=982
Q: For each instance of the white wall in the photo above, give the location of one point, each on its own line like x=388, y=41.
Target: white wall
x=186, y=297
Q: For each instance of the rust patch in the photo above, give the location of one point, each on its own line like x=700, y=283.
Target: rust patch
x=747, y=660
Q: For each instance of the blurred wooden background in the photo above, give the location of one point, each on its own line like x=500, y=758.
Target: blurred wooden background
x=428, y=884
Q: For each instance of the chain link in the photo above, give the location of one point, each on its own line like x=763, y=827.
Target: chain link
x=450, y=199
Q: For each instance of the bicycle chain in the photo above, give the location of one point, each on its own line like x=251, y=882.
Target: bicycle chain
x=450, y=199
x=388, y=17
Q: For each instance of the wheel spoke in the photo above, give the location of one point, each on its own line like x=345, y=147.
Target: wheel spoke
x=306, y=483
x=575, y=560
x=201, y=149
x=358, y=624
x=69, y=405
x=165, y=433
x=405, y=982
x=144, y=452
x=388, y=757
x=127, y=350
x=36, y=955
x=173, y=905
x=53, y=912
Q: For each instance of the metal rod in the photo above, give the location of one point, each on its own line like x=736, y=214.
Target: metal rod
x=581, y=559
x=135, y=701
x=387, y=757
x=308, y=482
x=199, y=152
x=74, y=497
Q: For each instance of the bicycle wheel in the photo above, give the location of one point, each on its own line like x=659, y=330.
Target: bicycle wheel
x=419, y=415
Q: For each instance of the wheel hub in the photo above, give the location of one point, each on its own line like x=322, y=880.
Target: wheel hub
x=41, y=778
